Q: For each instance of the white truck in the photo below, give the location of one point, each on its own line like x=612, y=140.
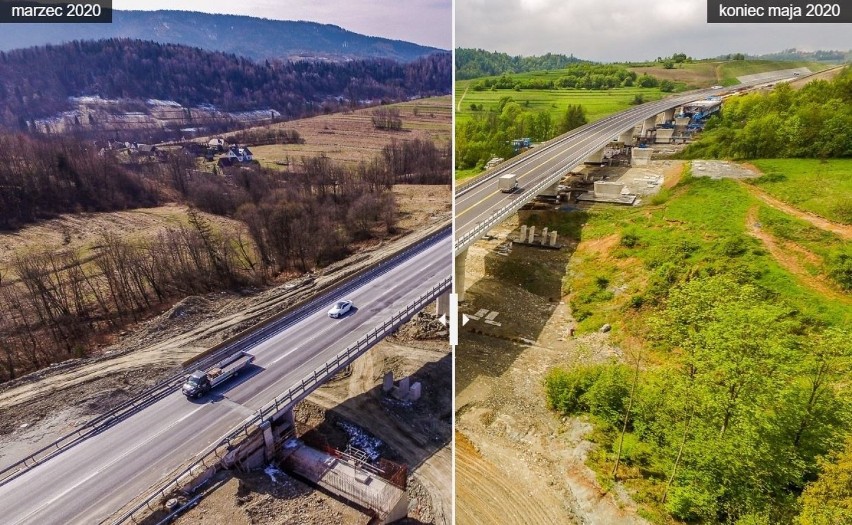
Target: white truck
x=200, y=382
x=508, y=183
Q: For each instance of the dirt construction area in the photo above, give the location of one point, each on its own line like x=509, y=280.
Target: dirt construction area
x=415, y=434
x=516, y=461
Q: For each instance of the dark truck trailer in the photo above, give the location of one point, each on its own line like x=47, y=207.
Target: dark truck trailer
x=200, y=382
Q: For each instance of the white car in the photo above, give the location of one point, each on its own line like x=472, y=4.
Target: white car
x=340, y=309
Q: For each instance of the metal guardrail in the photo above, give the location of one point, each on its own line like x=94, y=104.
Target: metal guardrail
x=499, y=215
x=292, y=396
x=172, y=383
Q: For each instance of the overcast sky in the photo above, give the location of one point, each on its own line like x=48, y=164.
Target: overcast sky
x=425, y=22
x=613, y=30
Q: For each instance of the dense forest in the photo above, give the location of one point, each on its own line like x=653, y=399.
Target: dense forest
x=134, y=69
x=811, y=122
x=475, y=63
x=40, y=178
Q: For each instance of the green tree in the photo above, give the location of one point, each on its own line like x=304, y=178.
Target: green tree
x=574, y=117
x=828, y=500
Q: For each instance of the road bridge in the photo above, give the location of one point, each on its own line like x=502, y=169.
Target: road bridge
x=91, y=479
x=480, y=205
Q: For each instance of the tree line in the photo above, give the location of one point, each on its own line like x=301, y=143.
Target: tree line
x=134, y=69
x=475, y=63
x=489, y=134
x=575, y=76
x=811, y=122
x=54, y=305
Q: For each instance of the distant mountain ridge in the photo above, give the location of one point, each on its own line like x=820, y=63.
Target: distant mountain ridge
x=255, y=38
x=134, y=76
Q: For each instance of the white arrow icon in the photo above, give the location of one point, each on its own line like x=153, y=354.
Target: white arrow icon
x=443, y=319
x=465, y=319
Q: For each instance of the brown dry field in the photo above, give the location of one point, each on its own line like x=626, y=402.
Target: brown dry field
x=700, y=74
x=350, y=137
x=83, y=231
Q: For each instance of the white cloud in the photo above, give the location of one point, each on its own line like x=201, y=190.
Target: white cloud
x=611, y=30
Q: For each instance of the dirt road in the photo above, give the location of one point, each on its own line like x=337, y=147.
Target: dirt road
x=842, y=230
x=789, y=256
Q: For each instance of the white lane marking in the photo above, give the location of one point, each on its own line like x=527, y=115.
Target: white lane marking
x=108, y=465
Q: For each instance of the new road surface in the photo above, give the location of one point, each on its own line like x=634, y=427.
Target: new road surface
x=91, y=480
x=480, y=204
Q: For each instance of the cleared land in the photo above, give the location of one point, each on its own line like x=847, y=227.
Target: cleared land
x=350, y=138
x=707, y=72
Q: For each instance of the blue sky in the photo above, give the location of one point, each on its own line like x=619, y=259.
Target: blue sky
x=426, y=22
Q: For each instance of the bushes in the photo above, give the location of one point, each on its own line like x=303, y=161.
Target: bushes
x=597, y=389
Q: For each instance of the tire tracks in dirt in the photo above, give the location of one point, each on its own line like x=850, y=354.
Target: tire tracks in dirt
x=790, y=259
x=844, y=231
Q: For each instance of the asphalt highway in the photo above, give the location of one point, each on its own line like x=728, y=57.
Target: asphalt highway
x=91, y=480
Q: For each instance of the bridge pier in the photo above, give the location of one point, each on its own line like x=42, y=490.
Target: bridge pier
x=649, y=126
x=668, y=115
x=640, y=156
x=595, y=158
x=459, y=277
x=442, y=304
x=551, y=191
x=626, y=138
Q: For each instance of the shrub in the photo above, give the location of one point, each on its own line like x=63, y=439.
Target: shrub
x=605, y=396
x=564, y=388
x=630, y=239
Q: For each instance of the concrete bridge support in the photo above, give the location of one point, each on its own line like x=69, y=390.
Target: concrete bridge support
x=649, y=126
x=596, y=157
x=640, y=156
x=668, y=115
x=551, y=191
x=459, y=276
x=626, y=138
x=442, y=304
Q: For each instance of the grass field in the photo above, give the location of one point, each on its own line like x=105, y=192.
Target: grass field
x=598, y=104
x=820, y=187
x=707, y=73
x=701, y=228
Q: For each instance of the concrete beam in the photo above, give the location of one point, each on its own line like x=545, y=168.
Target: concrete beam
x=461, y=260
x=641, y=156
x=664, y=136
